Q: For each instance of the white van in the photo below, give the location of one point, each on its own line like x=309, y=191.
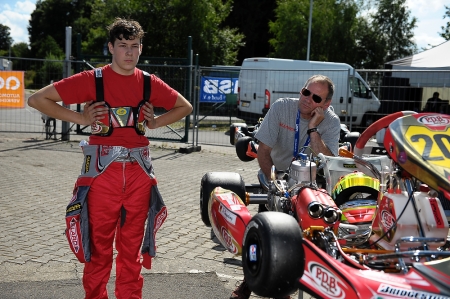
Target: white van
x=264, y=80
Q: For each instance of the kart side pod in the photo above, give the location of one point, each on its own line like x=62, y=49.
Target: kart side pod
x=229, y=217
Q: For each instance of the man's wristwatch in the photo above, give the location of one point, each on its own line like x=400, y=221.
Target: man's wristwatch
x=312, y=130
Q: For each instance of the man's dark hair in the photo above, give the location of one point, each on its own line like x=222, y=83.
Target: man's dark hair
x=435, y=94
x=127, y=29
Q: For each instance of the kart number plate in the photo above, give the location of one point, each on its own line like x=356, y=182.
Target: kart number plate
x=433, y=146
x=245, y=104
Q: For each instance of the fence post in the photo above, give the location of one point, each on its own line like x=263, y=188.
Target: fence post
x=67, y=71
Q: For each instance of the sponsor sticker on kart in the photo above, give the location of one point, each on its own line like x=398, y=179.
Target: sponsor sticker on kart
x=230, y=198
x=326, y=281
x=229, y=241
x=229, y=216
x=252, y=253
x=397, y=292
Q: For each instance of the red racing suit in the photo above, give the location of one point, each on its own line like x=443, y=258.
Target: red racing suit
x=81, y=230
x=116, y=204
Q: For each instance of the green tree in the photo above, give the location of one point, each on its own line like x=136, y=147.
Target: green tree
x=168, y=24
x=49, y=47
x=370, y=51
x=332, y=31
x=290, y=29
x=52, y=69
x=5, y=38
x=393, y=23
x=446, y=30
x=20, y=50
x=252, y=17
x=51, y=17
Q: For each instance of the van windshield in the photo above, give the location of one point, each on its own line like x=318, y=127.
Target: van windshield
x=358, y=89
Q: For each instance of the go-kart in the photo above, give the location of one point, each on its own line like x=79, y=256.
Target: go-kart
x=304, y=242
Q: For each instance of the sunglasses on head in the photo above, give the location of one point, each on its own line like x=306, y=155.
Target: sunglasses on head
x=306, y=92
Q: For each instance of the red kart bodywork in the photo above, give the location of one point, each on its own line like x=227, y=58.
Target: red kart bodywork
x=325, y=277
x=229, y=218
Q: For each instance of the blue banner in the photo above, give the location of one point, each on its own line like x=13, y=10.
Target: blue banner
x=215, y=89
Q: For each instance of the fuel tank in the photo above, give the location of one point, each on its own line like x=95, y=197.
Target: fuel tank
x=396, y=218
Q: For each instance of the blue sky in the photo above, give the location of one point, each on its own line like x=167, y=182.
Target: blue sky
x=15, y=14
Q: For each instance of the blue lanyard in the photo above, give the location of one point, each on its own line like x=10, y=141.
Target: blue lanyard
x=297, y=137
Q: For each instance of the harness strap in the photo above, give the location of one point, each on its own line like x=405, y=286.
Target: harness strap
x=128, y=116
x=98, y=85
x=147, y=86
x=99, y=90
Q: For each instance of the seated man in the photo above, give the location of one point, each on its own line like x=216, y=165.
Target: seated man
x=289, y=127
x=434, y=104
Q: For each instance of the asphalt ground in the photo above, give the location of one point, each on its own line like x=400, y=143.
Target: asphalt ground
x=36, y=182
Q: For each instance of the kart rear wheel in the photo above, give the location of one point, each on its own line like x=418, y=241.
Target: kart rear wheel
x=273, y=258
x=210, y=180
x=241, y=148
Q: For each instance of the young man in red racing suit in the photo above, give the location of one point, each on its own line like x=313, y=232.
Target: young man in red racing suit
x=118, y=198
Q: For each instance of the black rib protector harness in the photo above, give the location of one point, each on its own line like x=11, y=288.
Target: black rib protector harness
x=120, y=117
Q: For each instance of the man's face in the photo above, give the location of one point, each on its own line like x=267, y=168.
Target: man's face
x=307, y=104
x=125, y=54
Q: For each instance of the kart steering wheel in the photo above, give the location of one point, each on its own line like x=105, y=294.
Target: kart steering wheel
x=374, y=128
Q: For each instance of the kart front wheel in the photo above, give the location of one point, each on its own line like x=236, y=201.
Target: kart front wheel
x=273, y=255
x=228, y=180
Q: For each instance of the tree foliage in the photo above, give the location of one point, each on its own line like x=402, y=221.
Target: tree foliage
x=340, y=33
x=227, y=31
x=5, y=37
x=20, y=50
x=332, y=34
x=446, y=30
x=252, y=18
x=51, y=17
x=392, y=21
x=168, y=24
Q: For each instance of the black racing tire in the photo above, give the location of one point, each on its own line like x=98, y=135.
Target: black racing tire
x=279, y=260
x=241, y=148
x=233, y=127
x=346, y=194
x=210, y=180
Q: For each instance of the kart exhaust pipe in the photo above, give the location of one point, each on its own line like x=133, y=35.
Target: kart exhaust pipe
x=330, y=216
x=315, y=209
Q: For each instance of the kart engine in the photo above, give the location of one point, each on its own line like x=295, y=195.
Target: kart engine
x=296, y=193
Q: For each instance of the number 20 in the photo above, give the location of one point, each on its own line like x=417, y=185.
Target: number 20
x=429, y=143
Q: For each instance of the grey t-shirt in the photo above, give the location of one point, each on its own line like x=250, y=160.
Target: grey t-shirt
x=278, y=131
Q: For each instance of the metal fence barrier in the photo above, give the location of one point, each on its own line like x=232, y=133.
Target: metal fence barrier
x=213, y=94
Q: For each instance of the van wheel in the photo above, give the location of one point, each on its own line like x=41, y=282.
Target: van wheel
x=210, y=180
x=273, y=258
